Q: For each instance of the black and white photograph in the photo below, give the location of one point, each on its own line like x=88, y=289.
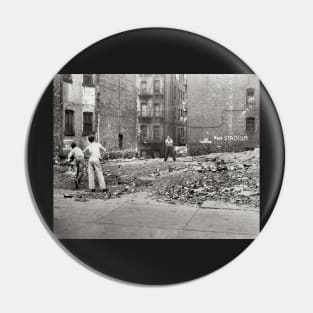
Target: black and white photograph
x=156, y=156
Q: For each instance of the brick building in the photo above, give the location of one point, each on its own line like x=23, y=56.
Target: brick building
x=223, y=112
x=117, y=111
x=103, y=104
x=160, y=109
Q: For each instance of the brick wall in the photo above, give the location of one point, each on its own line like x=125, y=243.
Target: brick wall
x=117, y=110
x=217, y=112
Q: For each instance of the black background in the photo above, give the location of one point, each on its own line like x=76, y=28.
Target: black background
x=154, y=51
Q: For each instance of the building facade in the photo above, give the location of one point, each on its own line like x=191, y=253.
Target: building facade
x=223, y=113
x=102, y=104
x=160, y=106
x=74, y=110
x=117, y=111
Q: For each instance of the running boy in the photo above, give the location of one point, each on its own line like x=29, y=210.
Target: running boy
x=94, y=149
x=77, y=155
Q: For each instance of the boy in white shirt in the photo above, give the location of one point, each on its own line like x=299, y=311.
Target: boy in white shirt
x=169, y=144
x=77, y=155
x=94, y=149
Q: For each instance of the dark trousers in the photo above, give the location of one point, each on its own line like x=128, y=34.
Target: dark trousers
x=170, y=151
x=79, y=170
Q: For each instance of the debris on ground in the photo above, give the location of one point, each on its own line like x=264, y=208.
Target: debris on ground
x=223, y=177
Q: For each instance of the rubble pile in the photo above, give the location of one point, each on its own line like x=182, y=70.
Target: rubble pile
x=227, y=178
x=224, y=177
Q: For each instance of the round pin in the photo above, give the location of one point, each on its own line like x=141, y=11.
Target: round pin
x=155, y=178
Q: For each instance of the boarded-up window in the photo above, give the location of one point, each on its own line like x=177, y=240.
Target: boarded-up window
x=87, y=123
x=250, y=125
x=67, y=78
x=157, y=112
x=251, y=96
x=144, y=110
x=69, y=123
x=88, y=80
x=156, y=132
x=156, y=86
x=143, y=86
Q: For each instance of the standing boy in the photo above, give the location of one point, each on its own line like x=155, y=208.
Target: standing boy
x=77, y=155
x=94, y=167
x=169, y=144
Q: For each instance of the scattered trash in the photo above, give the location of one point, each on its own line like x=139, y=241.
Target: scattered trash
x=222, y=177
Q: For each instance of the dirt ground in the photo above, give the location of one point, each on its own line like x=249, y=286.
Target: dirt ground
x=229, y=177
x=207, y=197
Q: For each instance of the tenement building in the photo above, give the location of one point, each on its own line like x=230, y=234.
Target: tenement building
x=74, y=110
x=223, y=113
x=161, y=111
x=102, y=104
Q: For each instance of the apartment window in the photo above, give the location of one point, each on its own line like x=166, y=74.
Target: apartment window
x=180, y=114
x=67, y=78
x=250, y=96
x=250, y=125
x=69, y=123
x=144, y=110
x=88, y=80
x=181, y=134
x=157, y=112
x=156, y=86
x=87, y=123
x=143, y=133
x=143, y=86
x=156, y=132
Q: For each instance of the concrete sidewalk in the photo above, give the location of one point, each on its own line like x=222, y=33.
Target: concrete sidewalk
x=135, y=216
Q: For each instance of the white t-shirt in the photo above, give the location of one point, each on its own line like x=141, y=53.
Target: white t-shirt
x=94, y=150
x=169, y=142
x=77, y=153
